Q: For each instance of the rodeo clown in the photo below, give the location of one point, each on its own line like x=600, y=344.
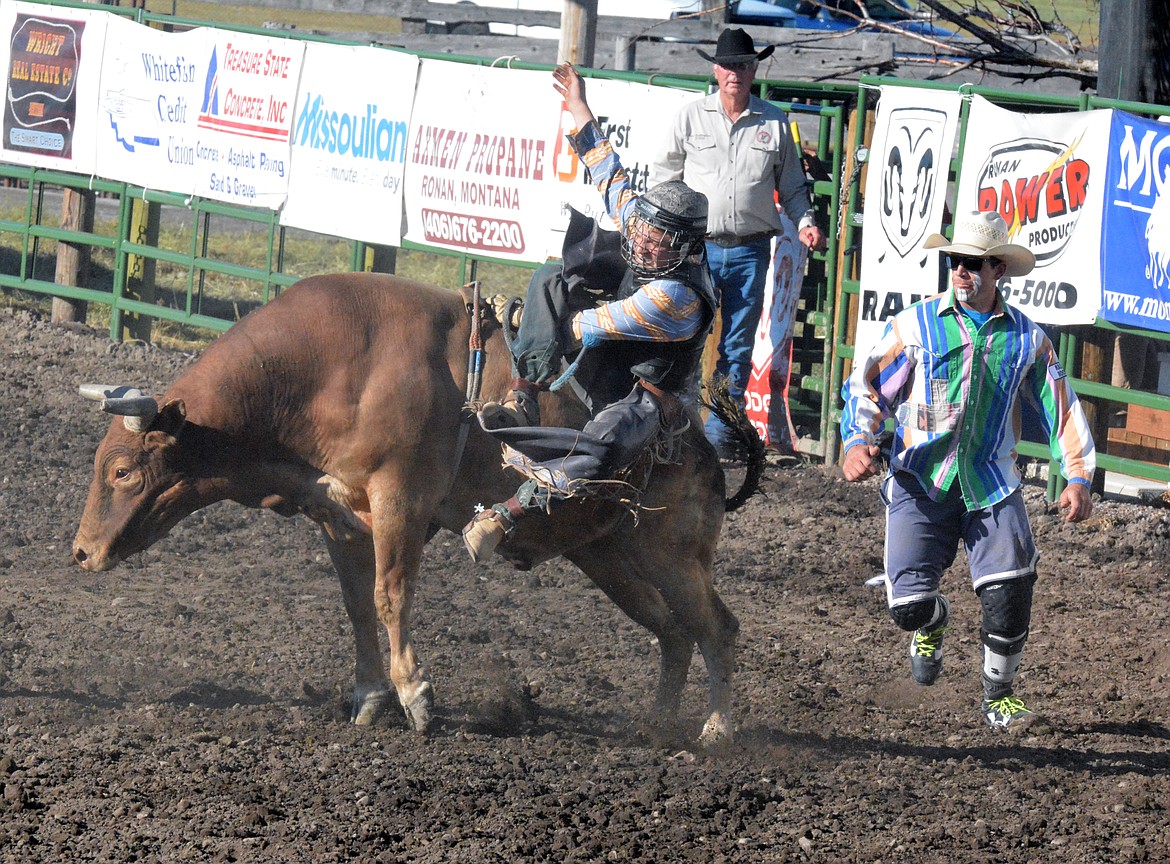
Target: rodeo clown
x=951, y=370
x=650, y=327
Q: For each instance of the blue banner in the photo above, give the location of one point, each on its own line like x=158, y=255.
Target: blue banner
x=1135, y=254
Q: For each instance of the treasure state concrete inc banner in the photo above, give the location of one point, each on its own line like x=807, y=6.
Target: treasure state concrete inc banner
x=349, y=142
x=51, y=57
x=479, y=160
x=1135, y=256
x=905, y=198
x=1046, y=175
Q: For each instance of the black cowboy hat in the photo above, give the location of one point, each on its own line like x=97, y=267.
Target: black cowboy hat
x=735, y=46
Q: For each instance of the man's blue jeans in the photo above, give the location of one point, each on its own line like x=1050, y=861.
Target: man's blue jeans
x=739, y=274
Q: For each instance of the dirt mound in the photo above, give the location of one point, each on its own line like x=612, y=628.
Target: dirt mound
x=192, y=704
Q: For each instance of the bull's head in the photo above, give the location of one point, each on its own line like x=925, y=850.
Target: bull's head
x=140, y=487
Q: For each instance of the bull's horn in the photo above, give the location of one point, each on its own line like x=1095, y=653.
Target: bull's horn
x=136, y=408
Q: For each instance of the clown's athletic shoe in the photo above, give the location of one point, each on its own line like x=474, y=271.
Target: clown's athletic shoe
x=926, y=648
x=1007, y=712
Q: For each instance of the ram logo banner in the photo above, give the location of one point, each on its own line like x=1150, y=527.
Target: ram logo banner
x=909, y=158
x=1045, y=174
x=1135, y=257
x=909, y=175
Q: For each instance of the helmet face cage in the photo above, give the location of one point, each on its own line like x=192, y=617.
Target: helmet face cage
x=666, y=226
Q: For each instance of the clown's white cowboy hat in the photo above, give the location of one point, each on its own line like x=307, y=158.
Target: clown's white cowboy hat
x=986, y=236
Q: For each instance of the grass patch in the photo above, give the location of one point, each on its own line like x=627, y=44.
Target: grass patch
x=228, y=241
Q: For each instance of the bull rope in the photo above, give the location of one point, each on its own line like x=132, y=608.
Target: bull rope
x=474, y=379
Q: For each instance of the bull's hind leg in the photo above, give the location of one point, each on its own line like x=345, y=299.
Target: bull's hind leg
x=608, y=567
x=354, y=563
x=667, y=588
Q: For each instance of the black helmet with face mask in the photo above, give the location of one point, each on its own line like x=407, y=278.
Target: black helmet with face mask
x=666, y=226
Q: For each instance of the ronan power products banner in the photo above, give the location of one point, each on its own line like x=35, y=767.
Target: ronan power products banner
x=1046, y=175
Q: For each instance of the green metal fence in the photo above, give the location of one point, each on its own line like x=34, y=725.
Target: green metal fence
x=212, y=289
x=1072, y=340
x=209, y=287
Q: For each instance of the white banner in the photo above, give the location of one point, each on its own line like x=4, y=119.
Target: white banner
x=479, y=163
x=905, y=196
x=349, y=143
x=634, y=117
x=1045, y=174
x=152, y=86
x=51, y=57
x=245, y=117
x=766, y=395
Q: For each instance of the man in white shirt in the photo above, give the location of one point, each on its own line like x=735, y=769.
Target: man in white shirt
x=738, y=151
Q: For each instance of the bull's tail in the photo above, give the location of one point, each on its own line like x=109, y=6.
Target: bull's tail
x=746, y=446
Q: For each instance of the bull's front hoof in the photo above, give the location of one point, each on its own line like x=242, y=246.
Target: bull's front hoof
x=717, y=730
x=368, y=705
x=418, y=708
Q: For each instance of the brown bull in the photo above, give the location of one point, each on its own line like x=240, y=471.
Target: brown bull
x=342, y=400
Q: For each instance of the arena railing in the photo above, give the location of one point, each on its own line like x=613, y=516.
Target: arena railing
x=1079, y=347
x=208, y=287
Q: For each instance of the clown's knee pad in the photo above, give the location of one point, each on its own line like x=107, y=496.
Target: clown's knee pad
x=917, y=614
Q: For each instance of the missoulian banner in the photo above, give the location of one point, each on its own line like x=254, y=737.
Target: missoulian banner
x=905, y=193
x=349, y=142
x=1045, y=174
x=1135, y=257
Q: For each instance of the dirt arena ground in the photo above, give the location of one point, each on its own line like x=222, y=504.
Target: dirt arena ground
x=192, y=704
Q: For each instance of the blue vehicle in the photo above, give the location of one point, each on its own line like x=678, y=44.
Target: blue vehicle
x=834, y=15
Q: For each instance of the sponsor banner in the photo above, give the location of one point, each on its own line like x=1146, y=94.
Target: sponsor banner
x=244, y=118
x=349, y=142
x=766, y=395
x=1135, y=255
x=479, y=161
x=905, y=197
x=51, y=58
x=633, y=116
x=1044, y=173
x=151, y=88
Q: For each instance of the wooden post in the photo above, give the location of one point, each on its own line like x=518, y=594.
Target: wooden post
x=143, y=230
x=625, y=49
x=77, y=208
x=578, y=32
x=1097, y=365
